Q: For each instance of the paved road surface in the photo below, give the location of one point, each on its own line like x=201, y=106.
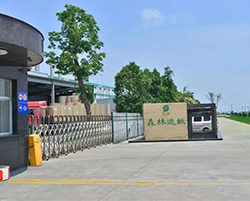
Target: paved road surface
x=216, y=170
x=233, y=130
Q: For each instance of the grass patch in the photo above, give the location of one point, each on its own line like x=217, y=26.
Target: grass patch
x=240, y=119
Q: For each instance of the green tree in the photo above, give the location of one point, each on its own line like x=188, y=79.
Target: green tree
x=187, y=96
x=162, y=87
x=134, y=86
x=218, y=98
x=155, y=84
x=131, y=89
x=169, y=92
x=76, y=49
x=212, y=97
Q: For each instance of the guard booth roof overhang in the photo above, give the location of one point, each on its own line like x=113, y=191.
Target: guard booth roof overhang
x=21, y=46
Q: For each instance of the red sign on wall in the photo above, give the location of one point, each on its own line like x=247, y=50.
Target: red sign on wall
x=1, y=175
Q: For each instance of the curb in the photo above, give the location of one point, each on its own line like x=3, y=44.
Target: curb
x=4, y=172
x=184, y=140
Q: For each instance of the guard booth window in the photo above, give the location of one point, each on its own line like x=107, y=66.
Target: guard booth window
x=5, y=107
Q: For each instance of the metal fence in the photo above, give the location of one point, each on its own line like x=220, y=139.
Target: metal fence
x=126, y=126
x=64, y=134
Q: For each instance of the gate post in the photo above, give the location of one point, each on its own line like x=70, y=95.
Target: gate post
x=138, y=131
x=112, y=122
x=127, y=124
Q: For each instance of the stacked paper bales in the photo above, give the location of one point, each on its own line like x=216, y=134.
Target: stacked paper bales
x=75, y=100
x=102, y=109
x=76, y=109
x=71, y=105
x=64, y=112
x=68, y=99
x=49, y=111
x=92, y=108
x=99, y=109
x=108, y=110
x=82, y=109
x=55, y=109
x=62, y=100
x=69, y=108
x=43, y=110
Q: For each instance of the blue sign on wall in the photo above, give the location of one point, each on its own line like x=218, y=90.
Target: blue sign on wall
x=22, y=98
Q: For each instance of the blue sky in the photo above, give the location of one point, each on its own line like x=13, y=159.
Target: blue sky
x=206, y=43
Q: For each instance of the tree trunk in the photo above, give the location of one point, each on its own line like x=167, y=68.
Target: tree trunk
x=84, y=95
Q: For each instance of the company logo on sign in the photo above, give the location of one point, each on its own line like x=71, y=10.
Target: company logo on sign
x=165, y=108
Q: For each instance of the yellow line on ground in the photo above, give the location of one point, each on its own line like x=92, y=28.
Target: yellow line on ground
x=118, y=182
x=65, y=183
x=66, y=180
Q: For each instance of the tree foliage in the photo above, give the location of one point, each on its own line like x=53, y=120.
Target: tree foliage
x=170, y=92
x=134, y=86
x=213, y=97
x=218, y=98
x=131, y=89
x=187, y=96
x=76, y=49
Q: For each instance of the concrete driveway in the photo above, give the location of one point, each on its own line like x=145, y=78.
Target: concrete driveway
x=216, y=170
x=233, y=130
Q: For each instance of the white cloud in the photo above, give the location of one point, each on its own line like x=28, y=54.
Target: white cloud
x=152, y=16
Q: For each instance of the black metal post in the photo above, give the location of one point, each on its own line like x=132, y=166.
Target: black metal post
x=138, y=131
x=112, y=121
x=127, y=124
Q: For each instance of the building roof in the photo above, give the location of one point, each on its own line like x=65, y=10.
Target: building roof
x=45, y=75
